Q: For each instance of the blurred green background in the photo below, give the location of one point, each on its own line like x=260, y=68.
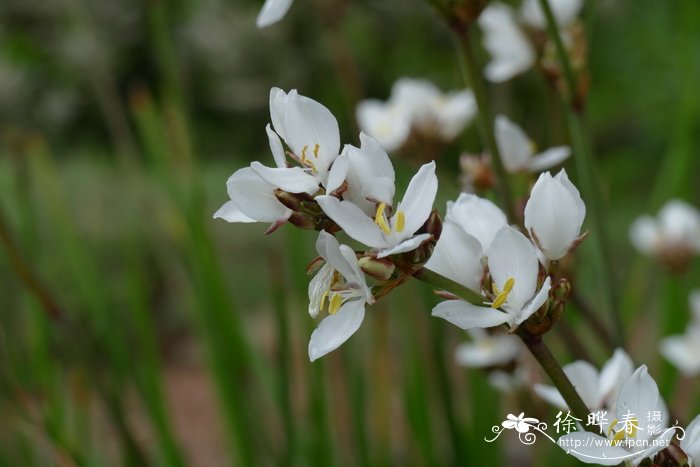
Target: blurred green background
x=138, y=331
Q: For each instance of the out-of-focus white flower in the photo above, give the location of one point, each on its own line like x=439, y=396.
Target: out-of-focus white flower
x=369, y=175
x=564, y=11
x=506, y=382
x=388, y=233
x=340, y=288
x=554, y=215
x=418, y=106
x=631, y=440
x=598, y=390
x=517, y=150
x=690, y=444
x=488, y=350
x=272, y=11
x=683, y=351
x=510, y=49
x=675, y=230
x=514, y=268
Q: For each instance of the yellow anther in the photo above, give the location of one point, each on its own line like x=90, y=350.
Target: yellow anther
x=502, y=297
x=316, y=148
x=400, y=221
x=380, y=219
x=303, y=153
x=334, y=304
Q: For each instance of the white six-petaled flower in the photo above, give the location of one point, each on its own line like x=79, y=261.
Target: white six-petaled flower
x=388, y=233
x=676, y=228
x=340, y=288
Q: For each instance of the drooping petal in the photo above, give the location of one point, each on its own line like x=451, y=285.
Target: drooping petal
x=477, y=216
x=549, y=158
x=457, y=256
x=593, y=449
x=335, y=329
x=351, y=219
x=638, y=396
x=418, y=200
x=278, y=102
x=511, y=255
x=276, y=147
x=272, y=11
x=230, y=213
x=534, y=304
x=511, y=52
x=466, y=316
x=514, y=145
x=406, y=245
x=307, y=123
x=318, y=286
x=291, y=179
x=254, y=197
x=328, y=248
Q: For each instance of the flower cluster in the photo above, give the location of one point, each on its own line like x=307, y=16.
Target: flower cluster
x=415, y=110
x=683, y=351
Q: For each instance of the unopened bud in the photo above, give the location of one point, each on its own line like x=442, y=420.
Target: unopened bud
x=303, y=221
x=377, y=268
x=433, y=225
x=477, y=175
x=292, y=201
x=315, y=265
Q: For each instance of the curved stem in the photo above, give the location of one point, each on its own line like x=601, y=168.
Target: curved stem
x=586, y=172
x=471, y=71
x=535, y=344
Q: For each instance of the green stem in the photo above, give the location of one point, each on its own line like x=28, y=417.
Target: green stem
x=471, y=71
x=534, y=343
x=585, y=169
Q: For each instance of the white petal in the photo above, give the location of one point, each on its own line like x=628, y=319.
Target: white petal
x=457, y=110
x=318, y=286
x=511, y=255
x=230, y=213
x=272, y=11
x=638, y=396
x=534, y=304
x=457, y=256
x=564, y=11
x=489, y=351
x=478, y=217
x=680, y=223
x=551, y=395
x=351, y=219
x=584, y=377
x=337, y=174
x=691, y=442
x=335, y=329
x=549, y=158
x=513, y=143
x=384, y=123
x=466, y=316
x=278, y=102
x=328, y=248
x=510, y=49
x=592, y=449
x=276, y=147
x=407, y=245
x=683, y=352
x=694, y=299
x=563, y=178
x=291, y=179
x=553, y=213
x=418, y=200
x=357, y=279
x=413, y=97
x=254, y=197
x=644, y=234
x=614, y=374
x=307, y=123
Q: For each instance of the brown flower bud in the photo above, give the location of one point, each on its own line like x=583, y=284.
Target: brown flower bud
x=377, y=268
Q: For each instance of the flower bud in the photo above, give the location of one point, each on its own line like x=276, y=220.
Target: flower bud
x=292, y=201
x=303, y=221
x=433, y=225
x=380, y=269
x=554, y=215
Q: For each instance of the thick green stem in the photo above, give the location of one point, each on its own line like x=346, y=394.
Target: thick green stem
x=534, y=343
x=585, y=169
x=471, y=70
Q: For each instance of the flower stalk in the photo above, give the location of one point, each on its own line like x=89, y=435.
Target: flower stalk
x=584, y=166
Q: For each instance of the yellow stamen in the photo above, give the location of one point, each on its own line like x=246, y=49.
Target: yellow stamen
x=316, y=148
x=303, y=153
x=323, y=299
x=380, y=219
x=334, y=304
x=502, y=297
x=400, y=221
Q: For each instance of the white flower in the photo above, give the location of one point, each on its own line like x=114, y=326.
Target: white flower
x=416, y=105
x=690, y=444
x=514, y=268
x=487, y=350
x=554, y=215
x=597, y=389
x=272, y=11
x=564, y=11
x=683, y=351
x=633, y=442
x=394, y=233
x=510, y=49
x=477, y=216
x=677, y=228
x=517, y=150
x=368, y=172
x=341, y=288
